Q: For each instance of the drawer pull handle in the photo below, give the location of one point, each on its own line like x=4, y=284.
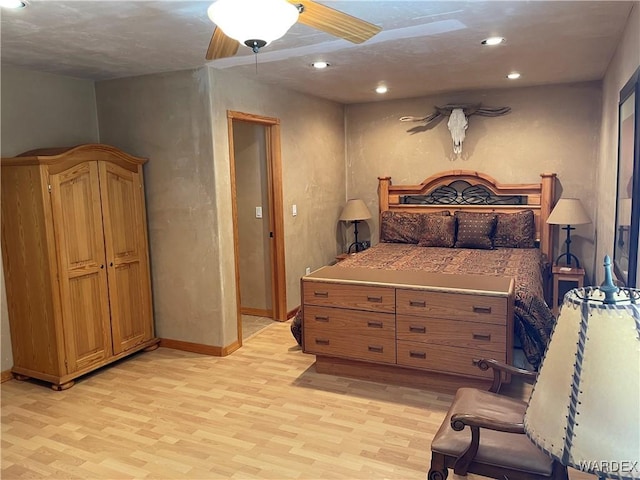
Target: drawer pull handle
x=374, y=299
x=417, y=303
x=320, y=318
x=375, y=348
x=322, y=341
x=477, y=309
x=321, y=294
x=417, y=329
x=374, y=324
x=480, y=336
x=414, y=354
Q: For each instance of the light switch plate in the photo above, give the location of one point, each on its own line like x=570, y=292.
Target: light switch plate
x=258, y=212
x=294, y=210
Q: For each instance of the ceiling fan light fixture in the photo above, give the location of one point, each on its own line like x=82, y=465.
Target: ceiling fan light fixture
x=255, y=23
x=12, y=4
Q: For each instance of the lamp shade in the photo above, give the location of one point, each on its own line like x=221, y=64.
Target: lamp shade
x=247, y=20
x=584, y=410
x=568, y=211
x=355, y=209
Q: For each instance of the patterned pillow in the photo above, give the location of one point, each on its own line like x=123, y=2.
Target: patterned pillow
x=475, y=230
x=438, y=231
x=515, y=230
x=403, y=227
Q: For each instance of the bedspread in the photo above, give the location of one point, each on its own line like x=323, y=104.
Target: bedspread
x=533, y=320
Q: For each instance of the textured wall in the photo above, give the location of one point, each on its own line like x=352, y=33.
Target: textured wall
x=550, y=129
x=179, y=121
x=312, y=137
x=625, y=61
x=41, y=110
x=166, y=119
x=253, y=233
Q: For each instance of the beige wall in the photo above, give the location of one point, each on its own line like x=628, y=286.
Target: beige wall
x=253, y=233
x=312, y=134
x=179, y=121
x=550, y=129
x=165, y=118
x=41, y=110
x=625, y=61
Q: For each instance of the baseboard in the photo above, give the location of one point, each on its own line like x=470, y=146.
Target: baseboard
x=5, y=376
x=199, y=347
x=256, y=312
x=292, y=313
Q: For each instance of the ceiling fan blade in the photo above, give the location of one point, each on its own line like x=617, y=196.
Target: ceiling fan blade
x=335, y=22
x=221, y=46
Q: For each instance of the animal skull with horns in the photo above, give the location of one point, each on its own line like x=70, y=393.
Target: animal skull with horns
x=458, y=119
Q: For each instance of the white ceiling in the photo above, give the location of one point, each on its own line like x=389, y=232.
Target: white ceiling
x=425, y=47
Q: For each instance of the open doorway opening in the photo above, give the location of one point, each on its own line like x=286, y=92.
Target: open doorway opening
x=258, y=224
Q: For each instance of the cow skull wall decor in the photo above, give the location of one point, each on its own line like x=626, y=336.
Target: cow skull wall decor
x=458, y=120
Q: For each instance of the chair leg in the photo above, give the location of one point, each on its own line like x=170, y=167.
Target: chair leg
x=438, y=470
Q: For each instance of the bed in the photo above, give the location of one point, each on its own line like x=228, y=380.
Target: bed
x=456, y=224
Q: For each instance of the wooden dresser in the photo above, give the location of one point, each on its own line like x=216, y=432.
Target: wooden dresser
x=388, y=324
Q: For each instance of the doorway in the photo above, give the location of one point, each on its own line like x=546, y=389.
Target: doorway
x=258, y=224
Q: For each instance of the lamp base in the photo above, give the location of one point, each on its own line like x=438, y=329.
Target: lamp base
x=569, y=256
x=357, y=246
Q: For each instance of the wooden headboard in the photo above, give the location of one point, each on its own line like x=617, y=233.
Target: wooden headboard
x=477, y=192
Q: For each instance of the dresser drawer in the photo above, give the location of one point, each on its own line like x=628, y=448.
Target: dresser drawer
x=356, y=347
x=358, y=297
x=445, y=358
x=452, y=306
x=487, y=337
x=349, y=322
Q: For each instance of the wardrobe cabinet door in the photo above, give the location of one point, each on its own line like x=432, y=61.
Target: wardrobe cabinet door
x=77, y=221
x=127, y=261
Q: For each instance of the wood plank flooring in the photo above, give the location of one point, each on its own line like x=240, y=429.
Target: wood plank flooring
x=262, y=412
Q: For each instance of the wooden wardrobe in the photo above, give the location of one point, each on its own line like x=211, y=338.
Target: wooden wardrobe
x=76, y=261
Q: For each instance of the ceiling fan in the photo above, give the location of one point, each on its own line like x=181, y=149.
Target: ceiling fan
x=256, y=23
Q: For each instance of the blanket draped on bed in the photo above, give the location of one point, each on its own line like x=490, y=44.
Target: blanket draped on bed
x=533, y=319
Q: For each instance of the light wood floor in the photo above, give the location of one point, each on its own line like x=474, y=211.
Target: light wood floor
x=260, y=413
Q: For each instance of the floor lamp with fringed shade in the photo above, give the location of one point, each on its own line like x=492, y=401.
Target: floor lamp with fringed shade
x=584, y=410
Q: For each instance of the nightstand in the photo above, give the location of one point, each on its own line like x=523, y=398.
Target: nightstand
x=565, y=274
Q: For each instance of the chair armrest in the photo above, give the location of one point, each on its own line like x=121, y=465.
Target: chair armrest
x=460, y=420
x=499, y=367
x=475, y=422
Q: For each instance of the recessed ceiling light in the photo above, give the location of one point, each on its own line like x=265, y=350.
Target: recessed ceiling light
x=12, y=4
x=320, y=65
x=381, y=89
x=513, y=76
x=492, y=41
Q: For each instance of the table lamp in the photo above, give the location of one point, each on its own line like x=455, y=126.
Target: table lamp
x=355, y=211
x=584, y=410
x=568, y=211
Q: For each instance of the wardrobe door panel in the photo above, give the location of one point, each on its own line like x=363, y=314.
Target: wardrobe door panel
x=77, y=220
x=126, y=248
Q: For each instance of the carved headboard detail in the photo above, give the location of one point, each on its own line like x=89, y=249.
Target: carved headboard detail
x=474, y=191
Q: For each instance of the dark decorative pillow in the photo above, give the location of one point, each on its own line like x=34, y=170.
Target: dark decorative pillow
x=438, y=231
x=475, y=230
x=515, y=230
x=403, y=227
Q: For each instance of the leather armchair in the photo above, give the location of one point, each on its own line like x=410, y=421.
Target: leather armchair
x=483, y=433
